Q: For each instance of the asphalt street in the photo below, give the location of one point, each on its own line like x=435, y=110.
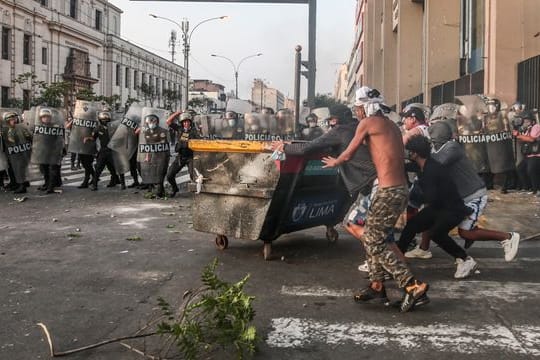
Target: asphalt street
x=65, y=261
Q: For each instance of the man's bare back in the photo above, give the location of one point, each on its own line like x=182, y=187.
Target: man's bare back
x=386, y=147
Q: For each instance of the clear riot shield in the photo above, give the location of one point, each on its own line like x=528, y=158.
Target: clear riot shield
x=124, y=141
x=28, y=117
x=18, y=145
x=284, y=126
x=470, y=130
x=48, y=138
x=499, y=144
x=154, y=148
x=84, y=124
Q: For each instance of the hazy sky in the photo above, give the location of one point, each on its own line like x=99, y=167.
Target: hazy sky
x=273, y=30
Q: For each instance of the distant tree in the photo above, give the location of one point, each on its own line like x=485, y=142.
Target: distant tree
x=171, y=98
x=323, y=100
x=148, y=92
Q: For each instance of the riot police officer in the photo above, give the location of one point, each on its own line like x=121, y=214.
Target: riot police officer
x=184, y=155
x=313, y=130
x=18, y=143
x=104, y=156
x=231, y=127
x=154, y=153
x=48, y=147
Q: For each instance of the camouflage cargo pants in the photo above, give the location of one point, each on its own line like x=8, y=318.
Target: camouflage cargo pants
x=388, y=203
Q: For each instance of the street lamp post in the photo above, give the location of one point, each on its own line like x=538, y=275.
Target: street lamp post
x=186, y=37
x=236, y=67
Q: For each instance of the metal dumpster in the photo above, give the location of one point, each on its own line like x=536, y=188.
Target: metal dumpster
x=247, y=195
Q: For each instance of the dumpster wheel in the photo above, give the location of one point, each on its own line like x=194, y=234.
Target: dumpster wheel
x=331, y=234
x=222, y=242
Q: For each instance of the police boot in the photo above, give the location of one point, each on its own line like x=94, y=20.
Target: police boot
x=11, y=186
x=114, y=181
x=122, y=182
x=93, y=185
x=84, y=184
x=21, y=189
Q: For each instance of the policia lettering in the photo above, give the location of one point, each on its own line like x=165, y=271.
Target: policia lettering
x=130, y=123
x=16, y=149
x=154, y=148
x=485, y=138
x=85, y=123
x=48, y=130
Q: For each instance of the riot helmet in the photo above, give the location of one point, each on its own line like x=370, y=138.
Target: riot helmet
x=151, y=121
x=518, y=107
x=104, y=116
x=45, y=115
x=186, y=118
x=493, y=106
x=231, y=118
x=11, y=118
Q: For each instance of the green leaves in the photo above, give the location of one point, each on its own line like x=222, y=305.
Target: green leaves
x=216, y=316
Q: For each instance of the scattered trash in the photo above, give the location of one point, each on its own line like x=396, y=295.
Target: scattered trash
x=66, y=210
x=112, y=215
x=191, y=250
x=283, y=258
x=477, y=272
x=124, y=252
x=58, y=191
x=78, y=230
x=54, y=220
x=170, y=226
x=20, y=199
x=134, y=238
x=73, y=235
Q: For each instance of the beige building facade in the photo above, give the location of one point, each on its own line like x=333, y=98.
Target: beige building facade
x=431, y=51
x=263, y=96
x=77, y=41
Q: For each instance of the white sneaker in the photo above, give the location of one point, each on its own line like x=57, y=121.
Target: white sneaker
x=511, y=246
x=363, y=267
x=465, y=267
x=418, y=253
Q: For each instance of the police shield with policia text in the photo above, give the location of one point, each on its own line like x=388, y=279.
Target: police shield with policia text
x=48, y=146
x=18, y=147
x=153, y=151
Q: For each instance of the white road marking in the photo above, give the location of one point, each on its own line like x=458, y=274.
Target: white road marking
x=465, y=339
x=459, y=289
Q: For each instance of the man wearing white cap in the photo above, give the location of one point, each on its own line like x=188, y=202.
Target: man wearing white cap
x=386, y=147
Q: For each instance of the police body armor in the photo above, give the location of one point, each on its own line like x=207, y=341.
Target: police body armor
x=18, y=143
x=48, y=139
x=3, y=157
x=83, y=126
x=499, y=145
x=154, y=148
x=123, y=139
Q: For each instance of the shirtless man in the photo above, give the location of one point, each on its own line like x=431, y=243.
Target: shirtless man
x=386, y=147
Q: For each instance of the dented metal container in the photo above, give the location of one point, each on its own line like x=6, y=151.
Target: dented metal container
x=247, y=195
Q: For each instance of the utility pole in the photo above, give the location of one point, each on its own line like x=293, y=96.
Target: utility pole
x=172, y=45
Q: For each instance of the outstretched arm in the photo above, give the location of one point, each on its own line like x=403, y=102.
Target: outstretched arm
x=171, y=118
x=357, y=140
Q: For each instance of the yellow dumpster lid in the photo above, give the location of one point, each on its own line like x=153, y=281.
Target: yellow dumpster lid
x=239, y=146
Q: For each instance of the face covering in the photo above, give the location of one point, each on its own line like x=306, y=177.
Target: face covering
x=152, y=126
x=231, y=122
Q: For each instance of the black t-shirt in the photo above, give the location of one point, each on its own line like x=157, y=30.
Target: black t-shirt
x=439, y=190
x=184, y=135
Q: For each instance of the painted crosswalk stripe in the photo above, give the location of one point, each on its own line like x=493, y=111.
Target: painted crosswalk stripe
x=464, y=339
x=465, y=289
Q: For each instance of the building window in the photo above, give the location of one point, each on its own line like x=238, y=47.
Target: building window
x=4, y=98
x=472, y=36
x=44, y=56
x=126, y=78
x=43, y=2
x=5, y=43
x=98, y=20
x=135, y=79
x=73, y=8
x=117, y=74
x=27, y=43
x=99, y=71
